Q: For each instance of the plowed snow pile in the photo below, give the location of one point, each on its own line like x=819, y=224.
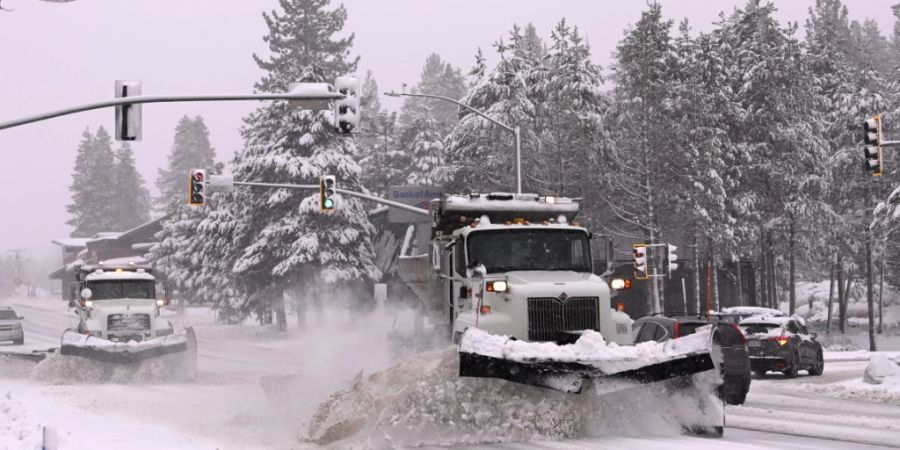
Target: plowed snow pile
x=423, y=401
x=60, y=369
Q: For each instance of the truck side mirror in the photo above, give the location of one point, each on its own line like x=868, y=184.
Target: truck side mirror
x=476, y=271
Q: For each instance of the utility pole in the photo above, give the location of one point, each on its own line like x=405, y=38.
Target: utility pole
x=17, y=257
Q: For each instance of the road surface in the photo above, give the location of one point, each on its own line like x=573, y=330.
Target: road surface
x=228, y=408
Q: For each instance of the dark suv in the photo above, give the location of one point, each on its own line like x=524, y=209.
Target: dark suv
x=782, y=344
x=736, y=367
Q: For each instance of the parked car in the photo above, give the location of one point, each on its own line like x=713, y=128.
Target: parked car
x=11, y=326
x=736, y=366
x=782, y=344
x=736, y=314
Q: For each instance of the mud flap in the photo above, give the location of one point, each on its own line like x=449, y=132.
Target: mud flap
x=99, y=349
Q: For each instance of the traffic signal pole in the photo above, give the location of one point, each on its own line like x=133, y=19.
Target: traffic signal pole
x=140, y=99
x=361, y=195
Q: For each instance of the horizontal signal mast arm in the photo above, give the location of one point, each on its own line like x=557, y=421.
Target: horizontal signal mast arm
x=361, y=195
x=139, y=99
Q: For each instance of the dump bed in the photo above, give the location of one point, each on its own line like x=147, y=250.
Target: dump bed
x=455, y=211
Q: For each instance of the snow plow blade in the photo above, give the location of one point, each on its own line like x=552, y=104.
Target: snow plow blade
x=99, y=349
x=566, y=368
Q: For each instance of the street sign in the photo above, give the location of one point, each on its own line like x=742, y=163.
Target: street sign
x=414, y=195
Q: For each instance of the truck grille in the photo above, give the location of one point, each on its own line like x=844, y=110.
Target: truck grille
x=7, y=327
x=549, y=318
x=127, y=324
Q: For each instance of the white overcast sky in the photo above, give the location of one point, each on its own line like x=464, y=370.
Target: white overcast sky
x=57, y=55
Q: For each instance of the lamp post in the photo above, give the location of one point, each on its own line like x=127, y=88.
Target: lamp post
x=513, y=130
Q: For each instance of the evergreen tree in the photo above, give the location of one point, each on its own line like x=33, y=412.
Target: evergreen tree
x=428, y=152
x=276, y=239
x=176, y=256
x=383, y=162
x=480, y=155
x=438, y=78
x=570, y=114
x=93, y=199
x=132, y=201
x=191, y=149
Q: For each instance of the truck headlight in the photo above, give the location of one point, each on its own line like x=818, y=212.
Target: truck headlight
x=497, y=286
x=619, y=284
x=160, y=302
x=88, y=303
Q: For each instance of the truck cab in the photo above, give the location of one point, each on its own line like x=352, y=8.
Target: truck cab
x=119, y=304
x=518, y=265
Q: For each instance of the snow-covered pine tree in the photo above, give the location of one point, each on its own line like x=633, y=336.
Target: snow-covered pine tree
x=438, y=77
x=132, y=201
x=704, y=159
x=767, y=81
x=383, y=162
x=480, y=155
x=177, y=256
x=640, y=172
x=191, y=149
x=279, y=239
x=93, y=196
x=427, y=152
x=570, y=110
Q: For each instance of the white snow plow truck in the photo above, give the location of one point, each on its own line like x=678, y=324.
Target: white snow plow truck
x=513, y=278
x=119, y=320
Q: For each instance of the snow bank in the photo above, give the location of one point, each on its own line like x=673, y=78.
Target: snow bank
x=60, y=369
x=17, y=430
x=880, y=383
x=882, y=370
x=423, y=401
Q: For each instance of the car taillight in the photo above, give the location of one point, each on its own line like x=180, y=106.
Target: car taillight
x=781, y=340
x=677, y=330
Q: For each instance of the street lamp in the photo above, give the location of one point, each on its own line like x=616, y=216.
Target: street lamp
x=513, y=130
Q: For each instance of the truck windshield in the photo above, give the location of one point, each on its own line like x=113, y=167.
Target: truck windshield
x=530, y=249
x=109, y=289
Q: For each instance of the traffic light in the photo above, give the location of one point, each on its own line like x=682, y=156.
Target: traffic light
x=197, y=188
x=671, y=257
x=128, y=117
x=872, y=138
x=346, y=110
x=327, y=191
x=639, y=253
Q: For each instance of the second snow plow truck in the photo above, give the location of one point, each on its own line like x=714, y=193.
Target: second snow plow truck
x=119, y=321
x=511, y=276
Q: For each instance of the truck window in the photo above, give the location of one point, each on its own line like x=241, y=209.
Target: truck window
x=112, y=289
x=459, y=256
x=507, y=250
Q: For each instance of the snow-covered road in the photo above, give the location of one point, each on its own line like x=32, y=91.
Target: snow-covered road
x=227, y=408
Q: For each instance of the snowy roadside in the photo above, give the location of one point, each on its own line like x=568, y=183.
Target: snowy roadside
x=26, y=409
